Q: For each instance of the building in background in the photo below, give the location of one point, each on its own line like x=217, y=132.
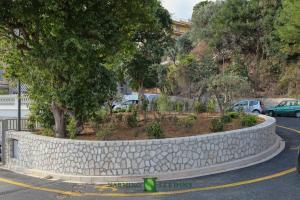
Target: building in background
x=180, y=27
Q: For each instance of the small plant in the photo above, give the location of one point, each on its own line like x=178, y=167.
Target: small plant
x=248, y=120
x=226, y=119
x=31, y=122
x=105, y=131
x=100, y=116
x=132, y=120
x=71, y=128
x=199, y=107
x=233, y=115
x=216, y=125
x=48, y=132
x=211, y=106
x=179, y=106
x=164, y=104
x=187, y=122
x=154, y=130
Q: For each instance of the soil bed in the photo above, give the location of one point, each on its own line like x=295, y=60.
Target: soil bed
x=121, y=131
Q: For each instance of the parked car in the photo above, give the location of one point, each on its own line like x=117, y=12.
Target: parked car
x=285, y=108
x=249, y=106
x=132, y=100
x=125, y=104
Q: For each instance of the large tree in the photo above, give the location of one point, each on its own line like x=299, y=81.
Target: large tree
x=62, y=49
x=151, y=42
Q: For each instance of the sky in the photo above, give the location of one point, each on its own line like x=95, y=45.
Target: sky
x=180, y=9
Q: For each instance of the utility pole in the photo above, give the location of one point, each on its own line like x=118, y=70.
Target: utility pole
x=19, y=105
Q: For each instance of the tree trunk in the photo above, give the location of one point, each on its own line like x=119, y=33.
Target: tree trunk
x=141, y=93
x=220, y=105
x=59, y=117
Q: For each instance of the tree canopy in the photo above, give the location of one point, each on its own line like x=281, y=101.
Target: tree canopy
x=63, y=50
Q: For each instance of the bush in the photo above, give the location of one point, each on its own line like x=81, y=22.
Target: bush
x=132, y=120
x=211, y=106
x=48, y=132
x=233, y=115
x=226, y=119
x=100, y=116
x=31, y=122
x=154, y=130
x=41, y=113
x=179, y=106
x=216, y=125
x=105, y=131
x=199, y=107
x=71, y=128
x=187, y=122
x=164, y=104
x=248, y=120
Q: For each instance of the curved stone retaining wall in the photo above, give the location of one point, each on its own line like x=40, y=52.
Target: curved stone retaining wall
x=74, y=158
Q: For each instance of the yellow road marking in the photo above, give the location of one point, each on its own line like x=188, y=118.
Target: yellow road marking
x=71, y=193
x=103, y=188
x=291, y=129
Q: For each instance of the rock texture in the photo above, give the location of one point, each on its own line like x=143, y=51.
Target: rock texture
x=140, y=157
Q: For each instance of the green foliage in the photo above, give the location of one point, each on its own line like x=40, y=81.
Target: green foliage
x=101, y=115
x=227, y=87
x=179, y=106
x=154, y=130
x=226, y=119
x=31, y=122
x=216, y=125
x=287, y=26
x=211, y=106
x=132, y=120
x=40, y=112
x=233, y=115
x=71, y=65
x=184, y=44
x=151, y=41
x=105, y=131
x=71, y=128
x=187, y=122
x=48, y=132
x=199, y=107
x=164, y=103
x=248, y=120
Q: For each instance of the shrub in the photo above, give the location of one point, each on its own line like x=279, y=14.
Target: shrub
x=187, y=122
x=105, y=131
x=48, y=132
x=71, y=128
x=100, y=116
x=233, y=115
x=31, y=122
x=211, y=106
x=216, y=125
x=154, y=130
x=132, y=120
x=163, y=104
x=226, y=119
x=179, y=106
x=248, y=120
x=41, y=113
x=199, y=107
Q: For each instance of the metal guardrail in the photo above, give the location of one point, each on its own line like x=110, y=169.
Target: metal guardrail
x=6, y=125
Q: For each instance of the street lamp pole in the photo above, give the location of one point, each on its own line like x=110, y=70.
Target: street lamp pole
x=19, y=105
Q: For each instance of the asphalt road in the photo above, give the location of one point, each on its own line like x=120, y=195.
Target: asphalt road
x=273, y=180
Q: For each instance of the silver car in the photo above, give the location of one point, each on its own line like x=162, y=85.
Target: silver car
x=249, y=106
